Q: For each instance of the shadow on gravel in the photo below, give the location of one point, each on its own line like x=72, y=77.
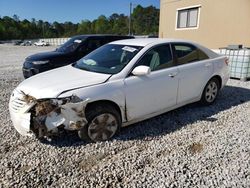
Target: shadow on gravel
x=65, y=139
x=170, y=121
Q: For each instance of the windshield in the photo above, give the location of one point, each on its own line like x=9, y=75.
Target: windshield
x=71, y=45
x=108, y=59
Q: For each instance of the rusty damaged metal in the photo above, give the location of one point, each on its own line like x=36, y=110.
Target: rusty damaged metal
x=45, y=107
x=27, y=98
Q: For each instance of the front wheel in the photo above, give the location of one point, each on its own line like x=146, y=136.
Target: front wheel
x=103, y=123
x=210, y=92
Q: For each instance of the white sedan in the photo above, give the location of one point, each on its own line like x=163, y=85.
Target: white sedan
x=116, y=85
x=41, y=43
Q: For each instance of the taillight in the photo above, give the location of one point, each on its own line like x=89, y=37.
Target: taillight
x=227, y=61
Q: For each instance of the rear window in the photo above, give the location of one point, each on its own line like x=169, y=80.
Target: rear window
x=187, y=53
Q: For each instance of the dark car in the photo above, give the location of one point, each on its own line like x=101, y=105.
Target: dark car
x=18, y=42
x=26, y=43
x=71, y=51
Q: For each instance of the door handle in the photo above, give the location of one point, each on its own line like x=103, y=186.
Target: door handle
x=172, y=75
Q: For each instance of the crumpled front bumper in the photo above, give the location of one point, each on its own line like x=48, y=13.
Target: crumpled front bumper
x=44, y=117
x=19, y=113
x=21, y=123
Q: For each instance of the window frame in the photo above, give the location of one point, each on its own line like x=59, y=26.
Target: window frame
x=187, y=44
x=188, y=9
x=172, y=54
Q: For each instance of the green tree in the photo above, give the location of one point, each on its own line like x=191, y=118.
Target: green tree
x=25, y=28
x=145, y=20
x=119, y=24
x=101, y=25
x=59, y=29
x=70, y=29
x=2, y=30
x=84, y=27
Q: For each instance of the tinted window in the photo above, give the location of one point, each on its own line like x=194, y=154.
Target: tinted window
x=109, y=39
x=202, y=55
x=93, y=44
x=187, y=53
x=158, y=58
x=72, y=44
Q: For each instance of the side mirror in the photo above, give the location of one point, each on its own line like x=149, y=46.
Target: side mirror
x=141, y=70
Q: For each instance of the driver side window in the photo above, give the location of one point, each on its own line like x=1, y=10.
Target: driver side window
x=158, y=58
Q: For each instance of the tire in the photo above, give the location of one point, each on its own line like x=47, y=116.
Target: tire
x=103, y=123
x=210, y=92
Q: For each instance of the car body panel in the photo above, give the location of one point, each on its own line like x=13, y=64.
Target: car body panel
x=53, y=82
x=194, y=75
x=44, y=56
x=221, y=70
x=112, y=91
x=21, y=123
x=147, y=94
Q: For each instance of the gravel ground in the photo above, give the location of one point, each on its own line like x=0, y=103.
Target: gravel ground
x=192, y=146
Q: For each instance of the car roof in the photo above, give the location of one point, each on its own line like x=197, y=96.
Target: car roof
x=101, y=35
x=143, y=42
x=146, y=41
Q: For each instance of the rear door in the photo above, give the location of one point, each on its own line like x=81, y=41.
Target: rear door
x=195, y=69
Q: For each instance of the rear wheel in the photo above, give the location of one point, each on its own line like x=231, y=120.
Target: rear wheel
x=103, y=124
x=210, y=92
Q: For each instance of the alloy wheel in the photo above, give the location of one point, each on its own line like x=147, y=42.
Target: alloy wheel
x=102, y=127
x=211, y=91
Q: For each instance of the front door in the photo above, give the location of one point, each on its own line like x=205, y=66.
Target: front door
x=156, y=91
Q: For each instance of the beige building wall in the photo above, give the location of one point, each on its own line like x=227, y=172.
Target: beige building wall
x=221, y=22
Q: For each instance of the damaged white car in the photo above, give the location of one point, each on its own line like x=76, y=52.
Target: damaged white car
x=116, y=85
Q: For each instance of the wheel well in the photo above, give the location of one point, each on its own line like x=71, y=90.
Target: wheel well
x=103, y=103
x=219, y=79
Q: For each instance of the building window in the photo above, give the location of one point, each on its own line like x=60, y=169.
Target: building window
x=188, y=18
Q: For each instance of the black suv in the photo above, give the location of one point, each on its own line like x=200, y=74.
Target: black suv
x=71, y=51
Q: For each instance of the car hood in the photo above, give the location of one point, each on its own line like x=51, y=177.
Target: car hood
x=52, y=83
x=45, y=56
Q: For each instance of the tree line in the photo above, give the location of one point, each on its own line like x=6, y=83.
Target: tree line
x=144, y=21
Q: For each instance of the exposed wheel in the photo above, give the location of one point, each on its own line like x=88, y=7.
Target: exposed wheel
x=103, y=123
x=210, y=92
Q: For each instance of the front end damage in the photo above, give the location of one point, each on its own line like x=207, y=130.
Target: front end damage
x=48, y=116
